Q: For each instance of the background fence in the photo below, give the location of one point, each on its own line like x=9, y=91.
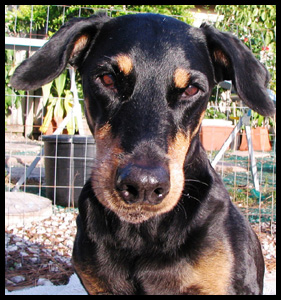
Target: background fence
x=60, y=173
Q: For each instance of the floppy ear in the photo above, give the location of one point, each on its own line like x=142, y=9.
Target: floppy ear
x=69, y=44
x=232, y=60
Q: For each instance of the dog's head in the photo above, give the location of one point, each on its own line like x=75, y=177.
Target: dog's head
x=146, y=82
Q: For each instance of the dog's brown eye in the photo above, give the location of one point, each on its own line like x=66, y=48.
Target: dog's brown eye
x=108, y=81
x=191, y=90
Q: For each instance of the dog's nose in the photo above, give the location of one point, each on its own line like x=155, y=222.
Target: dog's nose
x=142, y=184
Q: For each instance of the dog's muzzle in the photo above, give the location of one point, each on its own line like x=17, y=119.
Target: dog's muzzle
x=138, y=183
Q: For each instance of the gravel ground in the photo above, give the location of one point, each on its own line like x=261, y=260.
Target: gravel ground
x=40, y=253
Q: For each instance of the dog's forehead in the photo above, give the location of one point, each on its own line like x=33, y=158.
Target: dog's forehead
x=149, y=34
x=144, y=24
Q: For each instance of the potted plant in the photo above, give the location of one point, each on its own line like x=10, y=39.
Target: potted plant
x=257, y=30
x=68, y=157
x=259, y=133
x=214, y=132
x=215, y=127
x=57, y=107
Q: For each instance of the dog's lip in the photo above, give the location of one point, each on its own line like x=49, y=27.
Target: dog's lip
x=135, y=217
x=132, y=213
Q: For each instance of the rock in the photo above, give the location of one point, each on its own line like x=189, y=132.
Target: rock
x=34, y=250
x=34, y=260
x=44, y=281
x=21, y=245
x=23, y=253
x=7, y=239
x=18, y=265
x=12, y=248
x=17, y=279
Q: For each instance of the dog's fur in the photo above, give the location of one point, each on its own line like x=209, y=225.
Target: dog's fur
x=155, y=217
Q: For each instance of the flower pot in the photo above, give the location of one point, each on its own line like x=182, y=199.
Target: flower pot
x=68, y=164
x=260, y=140
x=53, y=125
x=214, y=133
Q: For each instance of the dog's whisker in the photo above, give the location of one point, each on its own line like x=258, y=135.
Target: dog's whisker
x=195, y=180
x=181, y=207
x=192, y=197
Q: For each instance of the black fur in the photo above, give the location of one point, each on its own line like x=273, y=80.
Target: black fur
x=137, y=119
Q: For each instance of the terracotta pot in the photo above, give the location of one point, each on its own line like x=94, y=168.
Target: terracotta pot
x=214, y=133
x=260, y=140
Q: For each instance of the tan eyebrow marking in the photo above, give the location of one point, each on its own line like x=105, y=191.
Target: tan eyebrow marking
x=181, y=78
x=125, y=63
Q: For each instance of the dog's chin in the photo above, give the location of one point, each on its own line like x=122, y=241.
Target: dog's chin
x=135, y=217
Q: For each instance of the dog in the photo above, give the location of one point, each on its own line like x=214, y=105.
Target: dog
x=155, y=217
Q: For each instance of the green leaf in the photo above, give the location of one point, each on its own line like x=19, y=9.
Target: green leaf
x=268, y=37
x=254, y=114
x=256, y=12
x=254, y=25
x=72, y=124
x=48, y=117
x=60, y=83
x=68, y=101
x=260, y=120
x=59, y=109
x=46, y=92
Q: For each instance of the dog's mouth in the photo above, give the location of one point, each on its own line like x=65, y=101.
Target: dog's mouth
x=136, y=190
x=141, y=207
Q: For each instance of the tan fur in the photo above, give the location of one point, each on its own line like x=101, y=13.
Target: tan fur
x=181, y=78
x=92, y=284
x=211, y=274
x=221, y=57
x=104, y=172
x=125, y=63
x=80, y=44
x=198, y=125
x=109, y=153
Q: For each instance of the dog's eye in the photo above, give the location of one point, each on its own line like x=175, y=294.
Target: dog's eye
x=191, y=90
x=108, y=81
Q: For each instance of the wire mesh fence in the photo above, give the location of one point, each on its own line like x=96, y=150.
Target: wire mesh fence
x=27, y=111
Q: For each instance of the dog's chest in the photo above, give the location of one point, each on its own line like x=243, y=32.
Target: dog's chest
x=209, y=275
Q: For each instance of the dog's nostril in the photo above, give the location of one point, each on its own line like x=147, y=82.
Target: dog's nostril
x=128, y=193
x=142, y=184
x=159, y=192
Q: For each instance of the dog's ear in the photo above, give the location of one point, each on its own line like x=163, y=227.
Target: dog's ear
x=232, y=60
x=69, y=44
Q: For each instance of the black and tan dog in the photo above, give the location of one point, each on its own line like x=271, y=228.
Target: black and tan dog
x=155, y=217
